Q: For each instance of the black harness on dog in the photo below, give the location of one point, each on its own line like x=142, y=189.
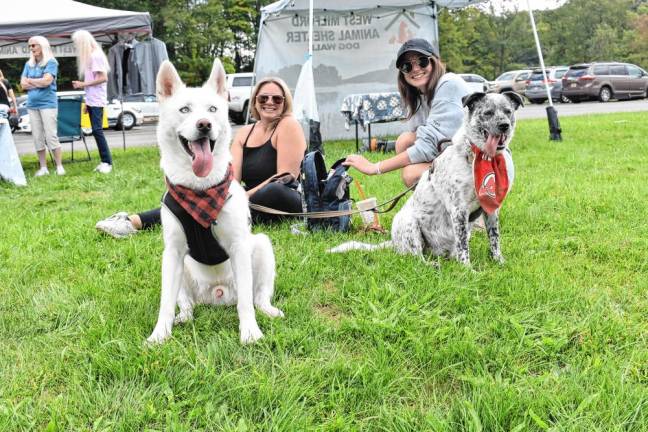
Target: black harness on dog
x=203, y=246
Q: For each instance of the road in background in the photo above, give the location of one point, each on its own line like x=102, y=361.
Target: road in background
x=141, y=136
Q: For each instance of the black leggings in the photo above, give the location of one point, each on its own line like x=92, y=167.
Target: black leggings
x=277, y=196
x=273, y=195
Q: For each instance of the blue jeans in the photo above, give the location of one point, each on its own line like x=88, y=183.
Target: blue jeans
x=96, y=120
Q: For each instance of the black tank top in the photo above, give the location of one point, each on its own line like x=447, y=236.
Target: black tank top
x=259, y=163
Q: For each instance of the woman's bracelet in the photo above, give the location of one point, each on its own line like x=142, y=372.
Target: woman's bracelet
x=378, y=168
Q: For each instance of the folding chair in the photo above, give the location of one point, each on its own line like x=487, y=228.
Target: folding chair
x=69, y=121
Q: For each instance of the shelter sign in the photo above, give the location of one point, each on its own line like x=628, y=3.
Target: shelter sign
x=354, y=51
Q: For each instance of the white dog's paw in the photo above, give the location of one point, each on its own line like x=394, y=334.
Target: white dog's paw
x=271, y=311
x=158, y=336
x=499, y=259
x=250, y=333
x=183, y=317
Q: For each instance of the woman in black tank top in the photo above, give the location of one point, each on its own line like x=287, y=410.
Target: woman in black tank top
x=274, y=145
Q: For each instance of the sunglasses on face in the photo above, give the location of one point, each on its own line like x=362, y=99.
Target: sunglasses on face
x=33, y=45
x=276, y=99
x=422, y=62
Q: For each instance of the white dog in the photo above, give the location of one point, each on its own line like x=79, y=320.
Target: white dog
x=231, y=265
x=438, y=217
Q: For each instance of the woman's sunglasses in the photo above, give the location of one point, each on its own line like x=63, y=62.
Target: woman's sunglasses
x=276, y=99
x=422, y=62
x=33, y=45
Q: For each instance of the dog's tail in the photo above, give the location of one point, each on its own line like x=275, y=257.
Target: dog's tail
x=354, y=245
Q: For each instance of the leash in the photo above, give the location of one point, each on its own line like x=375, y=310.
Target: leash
x=335, y=213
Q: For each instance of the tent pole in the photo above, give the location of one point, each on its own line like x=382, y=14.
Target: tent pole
x=552, y=115
x=121, y=103
x=310, y=29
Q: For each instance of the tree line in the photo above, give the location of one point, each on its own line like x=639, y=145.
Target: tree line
x=478, y=39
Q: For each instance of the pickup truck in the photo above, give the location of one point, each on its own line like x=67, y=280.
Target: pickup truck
x=239, y=86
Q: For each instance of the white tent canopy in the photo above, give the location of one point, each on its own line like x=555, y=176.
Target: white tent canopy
x=58, y=19
x=353, y=48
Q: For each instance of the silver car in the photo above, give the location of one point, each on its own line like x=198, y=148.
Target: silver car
x=535, y=90
x=475, y=83
x=510, y=81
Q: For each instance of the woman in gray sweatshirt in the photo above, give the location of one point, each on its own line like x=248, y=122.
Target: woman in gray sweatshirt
x=434, y=112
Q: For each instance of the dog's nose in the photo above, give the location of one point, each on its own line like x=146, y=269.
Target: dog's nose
x=503, y=127
x=203, y=125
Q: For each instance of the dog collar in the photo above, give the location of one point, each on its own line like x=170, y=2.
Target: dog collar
x=491, y=179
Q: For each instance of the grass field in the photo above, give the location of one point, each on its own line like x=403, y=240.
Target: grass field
x=556, y=339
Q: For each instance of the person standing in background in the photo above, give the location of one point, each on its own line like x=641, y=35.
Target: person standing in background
x=10, y=167
x=7, y=96
x=93, y=70
x=39, y=79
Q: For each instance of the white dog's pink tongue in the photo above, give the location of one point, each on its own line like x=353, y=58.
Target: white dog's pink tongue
x=491, y=145
x=203, y=159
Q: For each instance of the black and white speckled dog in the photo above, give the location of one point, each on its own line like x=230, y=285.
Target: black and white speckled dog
x=437, y=218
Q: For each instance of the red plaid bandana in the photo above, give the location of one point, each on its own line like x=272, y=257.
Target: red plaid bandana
x=203, y=206
x=491, y=180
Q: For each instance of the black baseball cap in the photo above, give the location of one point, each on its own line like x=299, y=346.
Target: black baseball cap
x=418, y=45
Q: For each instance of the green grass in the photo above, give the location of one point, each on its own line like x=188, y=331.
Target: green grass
x=556, y=339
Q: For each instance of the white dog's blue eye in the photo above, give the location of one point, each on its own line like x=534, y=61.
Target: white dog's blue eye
x=212, y=109
x=184, y=109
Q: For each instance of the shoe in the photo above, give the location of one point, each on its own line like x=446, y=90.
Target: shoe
x=103, y=168
x=60, y=170
x=117, y=225
x=43, y=171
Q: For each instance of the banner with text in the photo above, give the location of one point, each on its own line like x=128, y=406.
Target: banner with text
x=60, y=48
x=353, y=52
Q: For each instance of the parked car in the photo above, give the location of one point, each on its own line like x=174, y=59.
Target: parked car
x=510, y=81
x=239, y=86
x=147, y=103
x=475, y=83
x=535, y=90
x=131, y=116
x=605, y=81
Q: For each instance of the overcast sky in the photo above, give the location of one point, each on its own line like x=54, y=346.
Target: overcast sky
x=522, y=4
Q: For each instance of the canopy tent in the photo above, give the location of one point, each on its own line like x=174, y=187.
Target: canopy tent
x=354, y=45
x=58, y=19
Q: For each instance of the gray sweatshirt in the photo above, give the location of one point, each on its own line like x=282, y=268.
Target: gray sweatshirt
x=439, y=120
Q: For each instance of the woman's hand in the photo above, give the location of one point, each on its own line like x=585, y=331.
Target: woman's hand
x=26, y=84
x=361, y=164
x=78, y=84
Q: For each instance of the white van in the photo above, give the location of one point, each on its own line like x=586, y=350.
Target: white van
x=239, y=86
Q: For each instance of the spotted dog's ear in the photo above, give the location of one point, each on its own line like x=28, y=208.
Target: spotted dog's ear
x=469, y=100
x=515, y=99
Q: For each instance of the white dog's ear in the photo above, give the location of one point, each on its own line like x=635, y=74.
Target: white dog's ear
x=168, y=81
x=216, y=79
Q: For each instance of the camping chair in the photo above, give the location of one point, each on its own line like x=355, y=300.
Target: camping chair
x=69, y=121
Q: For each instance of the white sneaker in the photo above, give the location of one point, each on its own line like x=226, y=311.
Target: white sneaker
x=43, y=171
x=117, y=225
x=103, y=168
x=60, y=170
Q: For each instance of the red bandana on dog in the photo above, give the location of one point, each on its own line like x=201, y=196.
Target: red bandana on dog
x=491, y=179
x=203, y=206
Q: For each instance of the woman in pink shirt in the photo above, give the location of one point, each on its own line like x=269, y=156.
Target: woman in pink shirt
x=93, y=70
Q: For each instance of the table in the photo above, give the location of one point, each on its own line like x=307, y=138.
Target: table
x=366, y=108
